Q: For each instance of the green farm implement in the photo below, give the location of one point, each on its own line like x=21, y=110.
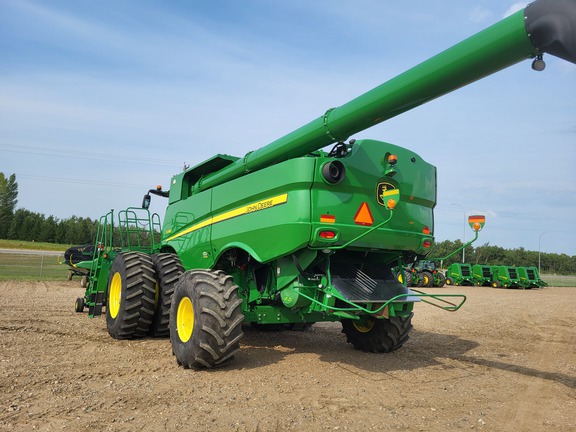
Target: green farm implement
x=424, y=273
x=297, y=232
x=459, y=274
x=482, y=275
x=505, y=277
x=530, y=277
x=79, y=261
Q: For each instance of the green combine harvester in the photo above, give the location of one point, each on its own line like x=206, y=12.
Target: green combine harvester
x=291, y=234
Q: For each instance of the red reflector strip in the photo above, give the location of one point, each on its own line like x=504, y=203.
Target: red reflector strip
x=363, y=215
x=326, y=218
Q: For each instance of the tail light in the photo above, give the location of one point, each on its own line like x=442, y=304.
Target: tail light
x=327, y=234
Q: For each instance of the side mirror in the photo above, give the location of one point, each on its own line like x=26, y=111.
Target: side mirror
x=146, y=201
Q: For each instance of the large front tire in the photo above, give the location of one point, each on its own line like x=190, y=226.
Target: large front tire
x=205, y=319
x=377, y=335
x=168, y=270
x=130, y=298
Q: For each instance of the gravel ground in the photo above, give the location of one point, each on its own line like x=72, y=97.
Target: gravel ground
x=505, y=362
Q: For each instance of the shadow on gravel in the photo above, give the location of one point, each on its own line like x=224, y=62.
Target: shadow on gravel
x=563, y=379
x=423, y=349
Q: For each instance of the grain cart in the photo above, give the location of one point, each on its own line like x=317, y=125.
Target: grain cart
x=505, y=277
x=294, y=234
x=459, y=274
x=482, y=275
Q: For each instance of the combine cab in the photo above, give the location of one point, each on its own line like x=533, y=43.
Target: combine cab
x=307, y=228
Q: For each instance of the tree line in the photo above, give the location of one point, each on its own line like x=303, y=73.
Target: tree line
x=496, y=255
x=21, y=224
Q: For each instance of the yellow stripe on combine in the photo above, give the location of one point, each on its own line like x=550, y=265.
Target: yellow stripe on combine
x=250, y=208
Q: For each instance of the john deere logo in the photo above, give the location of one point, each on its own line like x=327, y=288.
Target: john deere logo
x=383, y=187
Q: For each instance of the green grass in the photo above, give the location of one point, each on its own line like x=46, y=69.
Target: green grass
x=29, y=245
x=559, y=280
x=14, y=266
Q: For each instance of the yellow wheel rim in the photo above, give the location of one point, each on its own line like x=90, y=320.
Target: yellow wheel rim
x=185, y=319
x=365, y=326
x=114, y=294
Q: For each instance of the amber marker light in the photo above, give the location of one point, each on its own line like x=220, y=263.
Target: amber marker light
x=392, y=159
x=391, y=204
x=426, y=230
x=476, y=226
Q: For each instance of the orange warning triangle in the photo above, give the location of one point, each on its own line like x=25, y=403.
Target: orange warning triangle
x=363, y=215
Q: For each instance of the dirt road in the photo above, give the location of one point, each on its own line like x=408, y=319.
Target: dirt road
x=505, y=362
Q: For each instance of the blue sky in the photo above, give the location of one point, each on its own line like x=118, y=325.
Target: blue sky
x=100, y=101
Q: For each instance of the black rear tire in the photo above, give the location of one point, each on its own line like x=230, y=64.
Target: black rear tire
x=168, y=270
x=130, y=296
x=205, y=319
x=441, y=280
x=378, y=335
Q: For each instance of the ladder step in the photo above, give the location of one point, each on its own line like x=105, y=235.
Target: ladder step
x=96, y=303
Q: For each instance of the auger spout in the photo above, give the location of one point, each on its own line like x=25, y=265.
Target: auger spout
x=543, y=26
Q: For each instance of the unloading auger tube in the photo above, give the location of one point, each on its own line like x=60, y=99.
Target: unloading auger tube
x=544, y=26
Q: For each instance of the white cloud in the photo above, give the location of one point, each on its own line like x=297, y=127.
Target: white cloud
x=515, y=8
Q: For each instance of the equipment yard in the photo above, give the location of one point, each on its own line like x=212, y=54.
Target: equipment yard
x=504, y=362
